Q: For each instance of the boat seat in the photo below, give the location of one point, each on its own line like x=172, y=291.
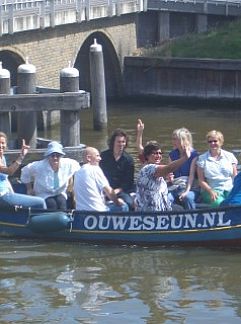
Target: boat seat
x=19, y=187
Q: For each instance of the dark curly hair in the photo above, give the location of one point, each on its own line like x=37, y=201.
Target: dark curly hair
x=117, y=132
x=151, y=147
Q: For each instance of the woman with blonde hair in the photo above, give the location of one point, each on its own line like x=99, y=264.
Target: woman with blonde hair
x=216, y=169
x=182, y=187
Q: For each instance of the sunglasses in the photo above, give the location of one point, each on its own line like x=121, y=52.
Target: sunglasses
x=157, y=153
x=213, y=141
x=53, y=155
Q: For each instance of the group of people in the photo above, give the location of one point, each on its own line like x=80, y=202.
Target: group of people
x=207, y=178
x=105, y=181
x=48, y=181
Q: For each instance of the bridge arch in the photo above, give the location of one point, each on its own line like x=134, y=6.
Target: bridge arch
x=113, y=78
x=11, y=61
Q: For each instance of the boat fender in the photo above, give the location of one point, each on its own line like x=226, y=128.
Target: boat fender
x=49, y=222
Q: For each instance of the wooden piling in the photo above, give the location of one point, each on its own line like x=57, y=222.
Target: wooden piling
x=98, y=93
x=27, y=121
x=69, y=119
x=5, y=121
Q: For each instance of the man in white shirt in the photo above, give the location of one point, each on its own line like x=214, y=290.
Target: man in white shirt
x=49, y=178
x=91, y=186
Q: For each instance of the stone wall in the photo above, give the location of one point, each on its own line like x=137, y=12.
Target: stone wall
x=51, y=49
x=183, y=78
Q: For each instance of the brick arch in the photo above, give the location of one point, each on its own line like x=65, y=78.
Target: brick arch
x=11, y=61
x=113, y=77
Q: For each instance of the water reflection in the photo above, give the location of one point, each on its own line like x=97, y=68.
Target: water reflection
x=160, y=121
x=68, y=287
x=97, y=284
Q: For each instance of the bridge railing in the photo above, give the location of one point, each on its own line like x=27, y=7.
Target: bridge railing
x=21, y=15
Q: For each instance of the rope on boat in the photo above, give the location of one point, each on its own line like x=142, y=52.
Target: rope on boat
x=19, y=207
x=70, y=215
x=29, y=215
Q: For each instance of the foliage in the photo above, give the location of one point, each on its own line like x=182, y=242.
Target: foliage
x=219, y=43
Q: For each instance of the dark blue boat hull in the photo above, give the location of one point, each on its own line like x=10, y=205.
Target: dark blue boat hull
x=220, y=226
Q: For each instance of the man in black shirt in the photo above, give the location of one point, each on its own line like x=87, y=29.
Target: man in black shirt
x=118, y=166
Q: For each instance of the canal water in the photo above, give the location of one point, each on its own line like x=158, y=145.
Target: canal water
x=46, y=282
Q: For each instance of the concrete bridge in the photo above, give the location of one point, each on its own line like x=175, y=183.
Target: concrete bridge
x=55, y=32
x=210, y=7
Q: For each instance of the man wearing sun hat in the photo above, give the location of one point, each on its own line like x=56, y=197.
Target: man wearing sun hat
x=49, y=178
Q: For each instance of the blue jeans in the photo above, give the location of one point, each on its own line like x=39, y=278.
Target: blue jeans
x=127, y=199
x=56, y=202
x=117, y=208
x=23, y=200
x=188, y=202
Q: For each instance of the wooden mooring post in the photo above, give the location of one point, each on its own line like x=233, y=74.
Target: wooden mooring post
x=98, y=93
x=27, y=121
x=69, y=120
x=68, y=101
x=5, y=121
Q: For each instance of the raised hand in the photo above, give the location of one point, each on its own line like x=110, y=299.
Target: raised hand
x=25, y=148
x=186, y=151
x=140, y=126
x=139, y=130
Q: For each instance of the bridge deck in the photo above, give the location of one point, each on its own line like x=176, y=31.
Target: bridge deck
x=215, y=7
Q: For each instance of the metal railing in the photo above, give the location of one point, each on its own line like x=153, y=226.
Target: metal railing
x=21, y=15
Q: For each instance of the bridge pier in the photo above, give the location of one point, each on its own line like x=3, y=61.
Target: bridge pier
x=202, y=23
x=163, y=26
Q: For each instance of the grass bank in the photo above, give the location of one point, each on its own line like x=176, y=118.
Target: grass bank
x=220, y=43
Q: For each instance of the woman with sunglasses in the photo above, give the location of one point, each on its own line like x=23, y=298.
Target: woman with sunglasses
x=151, y=187
x=183, y=188
x=216, y=169
x=50, y=177
x=7, y=195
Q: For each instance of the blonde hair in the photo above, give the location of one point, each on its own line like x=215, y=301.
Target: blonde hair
x=2, y=134
x=184, y=136
x=217, y=134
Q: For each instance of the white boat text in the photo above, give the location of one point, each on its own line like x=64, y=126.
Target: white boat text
x=186, y=221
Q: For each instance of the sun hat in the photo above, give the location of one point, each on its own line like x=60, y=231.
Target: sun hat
x=54, y=147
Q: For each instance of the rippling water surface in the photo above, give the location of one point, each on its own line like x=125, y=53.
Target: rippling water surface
x=74, y=283
x=43, y=282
